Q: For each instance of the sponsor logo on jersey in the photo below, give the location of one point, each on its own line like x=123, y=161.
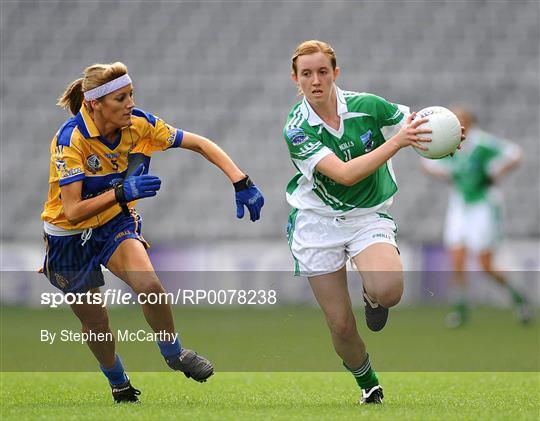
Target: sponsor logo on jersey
x=122, y=234
x=93, y=163
x=367, y=140
x=382, y=235
x=112, y=155
x=346, y=145
x=70, y=173
x=297, y=136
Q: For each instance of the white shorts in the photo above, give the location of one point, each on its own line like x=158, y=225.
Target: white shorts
x=322, y=244
x=476, y=226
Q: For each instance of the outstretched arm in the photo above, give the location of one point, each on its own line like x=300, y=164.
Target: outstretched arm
x=246, y=193
x=212, y=153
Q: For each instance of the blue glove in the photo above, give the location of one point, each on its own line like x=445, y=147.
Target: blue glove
x=249, y=195
x=137, y=186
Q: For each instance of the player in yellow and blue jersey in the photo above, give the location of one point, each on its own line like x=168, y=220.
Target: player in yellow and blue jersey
x=98, y=169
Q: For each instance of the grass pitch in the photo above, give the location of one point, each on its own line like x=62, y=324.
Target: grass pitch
x=278, y=363
x=280, y=339
x=263, y=396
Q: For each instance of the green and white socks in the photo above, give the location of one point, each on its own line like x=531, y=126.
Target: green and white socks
x=364, y=375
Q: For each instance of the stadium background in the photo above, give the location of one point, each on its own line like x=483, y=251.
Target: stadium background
x=222, y=69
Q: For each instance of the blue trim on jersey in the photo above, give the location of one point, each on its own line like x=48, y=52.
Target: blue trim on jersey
x=72, y=179
x=81, y=125
x=96, y=184
x=64, y=133
x=178, y=138
x=109, y=145
x=137, y=112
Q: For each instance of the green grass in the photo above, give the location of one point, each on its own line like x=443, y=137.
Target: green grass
x=278, y=363
x=281, y=339
x=263, y=396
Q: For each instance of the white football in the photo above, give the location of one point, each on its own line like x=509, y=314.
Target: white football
x=445, y=135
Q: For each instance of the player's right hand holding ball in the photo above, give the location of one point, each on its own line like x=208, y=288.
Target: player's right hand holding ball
x=411, y=135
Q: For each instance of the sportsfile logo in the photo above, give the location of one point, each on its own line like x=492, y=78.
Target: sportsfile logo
x=181, y=297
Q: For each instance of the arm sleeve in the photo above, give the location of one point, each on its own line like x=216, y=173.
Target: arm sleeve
x=390, y=117
x=69, y=165
x=305, y=149
x=505, y=152
x=158, y=135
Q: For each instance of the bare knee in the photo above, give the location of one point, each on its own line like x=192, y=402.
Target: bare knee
x=391, y=289
x=151, y=289
x=96, y=323
x=390, y=298
x=344, y=328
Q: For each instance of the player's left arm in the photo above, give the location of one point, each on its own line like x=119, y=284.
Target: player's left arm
x=509, y=155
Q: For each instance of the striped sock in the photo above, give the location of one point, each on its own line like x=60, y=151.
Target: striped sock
x=364, y=375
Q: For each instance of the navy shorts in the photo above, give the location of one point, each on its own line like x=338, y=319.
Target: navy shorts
x=74, y=265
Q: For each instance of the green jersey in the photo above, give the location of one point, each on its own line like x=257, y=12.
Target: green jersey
x=366, y=122
x=472, y=167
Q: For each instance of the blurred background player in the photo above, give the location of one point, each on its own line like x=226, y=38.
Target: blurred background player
x=89, y=216
x=341, y=143
x=473, y=220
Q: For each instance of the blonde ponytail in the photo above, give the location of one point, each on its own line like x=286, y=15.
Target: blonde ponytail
x=72, y=98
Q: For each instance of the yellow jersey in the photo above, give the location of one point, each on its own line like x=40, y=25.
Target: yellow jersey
x=80, y=153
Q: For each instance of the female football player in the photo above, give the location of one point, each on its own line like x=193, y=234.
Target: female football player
x=341, y=143
x=473, y=219
x=89, y=216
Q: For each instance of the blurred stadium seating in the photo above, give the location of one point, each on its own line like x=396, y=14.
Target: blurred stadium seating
x=221, y=69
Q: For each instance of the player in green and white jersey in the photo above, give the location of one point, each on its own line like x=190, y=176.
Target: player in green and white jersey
x=473, y=220
x=341, y=143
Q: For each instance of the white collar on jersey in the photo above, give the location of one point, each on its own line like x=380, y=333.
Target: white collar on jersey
x=311, y=116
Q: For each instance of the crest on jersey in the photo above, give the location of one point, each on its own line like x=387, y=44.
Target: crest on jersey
x=172, y=134
x=93, y=163
x=367, y=140
x=60, y=165
x=61, y=281
x=297, y=136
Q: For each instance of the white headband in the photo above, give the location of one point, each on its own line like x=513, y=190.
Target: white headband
x=107, y=88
